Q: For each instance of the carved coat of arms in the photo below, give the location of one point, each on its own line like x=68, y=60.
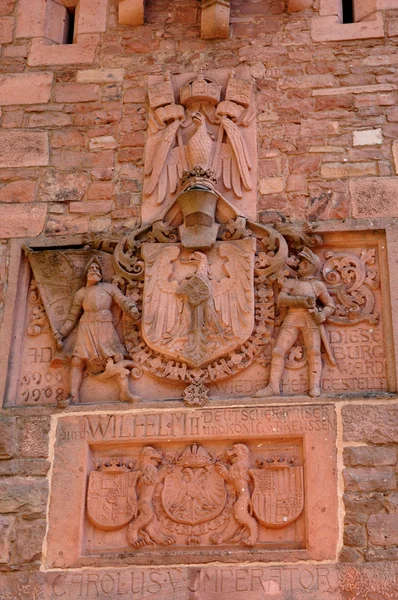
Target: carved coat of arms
x=111, y=496
x=199, y=308
x=193, y=492
x=278, y=495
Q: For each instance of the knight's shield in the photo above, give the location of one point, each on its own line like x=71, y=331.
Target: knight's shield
x=198, y=306
x=193, y=495
x=278, y=495
x=111, y=499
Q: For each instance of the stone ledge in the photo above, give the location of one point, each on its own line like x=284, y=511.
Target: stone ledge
x=330, y=29
x=356, y=89
x=81, y=53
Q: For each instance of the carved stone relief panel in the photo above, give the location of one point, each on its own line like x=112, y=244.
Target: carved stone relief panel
x=257, y=313
x=201, y=132
x=165, y=486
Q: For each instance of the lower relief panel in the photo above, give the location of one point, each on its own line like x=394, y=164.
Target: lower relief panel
x=172, y=487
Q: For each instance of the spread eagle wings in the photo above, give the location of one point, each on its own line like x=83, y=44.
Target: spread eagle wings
x=209, y=490
x=162, y=307
x=233, y=293
x=163, y=168
x=234, y=163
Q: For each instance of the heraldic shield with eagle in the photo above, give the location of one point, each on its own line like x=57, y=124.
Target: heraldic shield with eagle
x=200, y=292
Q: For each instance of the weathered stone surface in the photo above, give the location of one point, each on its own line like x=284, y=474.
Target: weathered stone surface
x=99, y=75
x=29, y=535
x=102, y=143
x=383, y=530
x=341, y=170
x=18, y=191
x=21, y=220
x=367, y=137
x=76, y=92
x=33, y=436
x=28, y=495
x=28, y=467
x=368, y=456
x=25, y=88
x=81, y=53
x=374, y=197
x=8, y=429
x=23, y=586
x=6, y=30
x=6, y=534
x=272, y=185
x=364, y=479
x=377, y=424
x=23, y=149
x=63, y=187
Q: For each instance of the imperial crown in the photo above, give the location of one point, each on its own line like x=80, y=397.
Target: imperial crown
x=194, y=456
x=114, y=465
x=200, y=90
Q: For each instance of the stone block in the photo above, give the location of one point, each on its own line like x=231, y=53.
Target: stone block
x=33, y=436
x=341, y=170
x=91, y=16
x=63, y=187
x=383, y=530
x=329, y=28
x=367, y=137
x=18, y=191
x=91, y=207
x=8, y=429
x=20, y=494
x=375, y=424
x=374, y=197
x=49, y=119
x=272, y=185
x=25, y=88
x=369, y=456
x=102, y=143
x=31, y=18
x=23, y=149
x=29, y=535
x=6, y=533
x=6, y=29
x=101, y=190
x=131, y=12
x=355, y=535
x=80, y=53
x=26, y=585
x=76, y=92
x=100, y=75
x=369, y=479
x=22, y=220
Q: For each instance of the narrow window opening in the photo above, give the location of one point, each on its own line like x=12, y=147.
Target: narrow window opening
x=348, y=11
x=70, y=25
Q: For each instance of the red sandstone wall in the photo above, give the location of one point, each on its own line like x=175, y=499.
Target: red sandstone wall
x=71, y=161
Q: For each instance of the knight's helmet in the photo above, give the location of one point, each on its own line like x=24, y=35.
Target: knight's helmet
x=312, y=258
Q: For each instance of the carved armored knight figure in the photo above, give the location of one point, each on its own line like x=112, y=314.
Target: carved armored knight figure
x=96, y=338
x=300, y=297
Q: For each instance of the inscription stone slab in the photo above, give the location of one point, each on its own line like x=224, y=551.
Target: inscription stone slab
x=222, y=484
